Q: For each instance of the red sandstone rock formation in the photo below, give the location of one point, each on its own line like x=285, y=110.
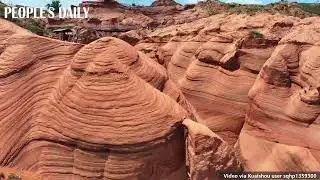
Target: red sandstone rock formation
x=108, y=110
x=215, y=62
x=207, y=154
x=122, y=18
x=282, y=125
x=86, y=112
x=14, y=174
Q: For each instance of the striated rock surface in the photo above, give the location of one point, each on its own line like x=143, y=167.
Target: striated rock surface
x=86, y=112
x=215, y=62
x=223, y=93
x=283, y=120
x=218, y=61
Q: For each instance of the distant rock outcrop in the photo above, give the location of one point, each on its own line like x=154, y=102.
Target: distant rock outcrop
x=164, y=3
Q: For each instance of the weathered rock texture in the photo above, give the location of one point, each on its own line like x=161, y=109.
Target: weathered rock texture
x=14, y=174
x=282, y=126
x=70, y=111
x=108, y=110
x=215, y=62
x=207, y=154
x=111, y=20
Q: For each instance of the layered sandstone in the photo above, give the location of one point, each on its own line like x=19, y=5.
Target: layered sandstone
x=112, y=20
x=283, y=120
x=215, y=62
x=224, y=93
x=86, y=112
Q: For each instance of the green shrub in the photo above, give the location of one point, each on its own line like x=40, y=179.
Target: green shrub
x=211, y=12
x=2, y=6
x=34, y=27
x=29, y=24
x=255, y=34
x=232, y=5
x=56, y=4
x=210, y=8
x=312, y=8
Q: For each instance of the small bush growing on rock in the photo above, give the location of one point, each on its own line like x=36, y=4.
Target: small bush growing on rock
x=211, y=12
x=34, y=27
x=255, y=34
x=233, y=5
x=210, y=8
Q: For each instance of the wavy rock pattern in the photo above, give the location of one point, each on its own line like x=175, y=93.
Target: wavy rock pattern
x=108, y=110
x=215, y=61
x=283, y=121
x=86, y=112
x=218, y=61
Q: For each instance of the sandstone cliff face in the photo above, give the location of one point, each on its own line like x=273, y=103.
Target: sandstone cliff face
x=218, y=61
x=224, y=93
x=86, y=112
x=215, y=61
x=207, y=154
x=283, y=120
x=112, y=20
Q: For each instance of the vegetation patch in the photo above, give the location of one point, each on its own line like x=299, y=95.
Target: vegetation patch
x=30, y=24
x=211, y=12
x=55, y=4
x=256, y=34
x=246, y=9
x=301, y=10
x=2, y=6
x=312, y=8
